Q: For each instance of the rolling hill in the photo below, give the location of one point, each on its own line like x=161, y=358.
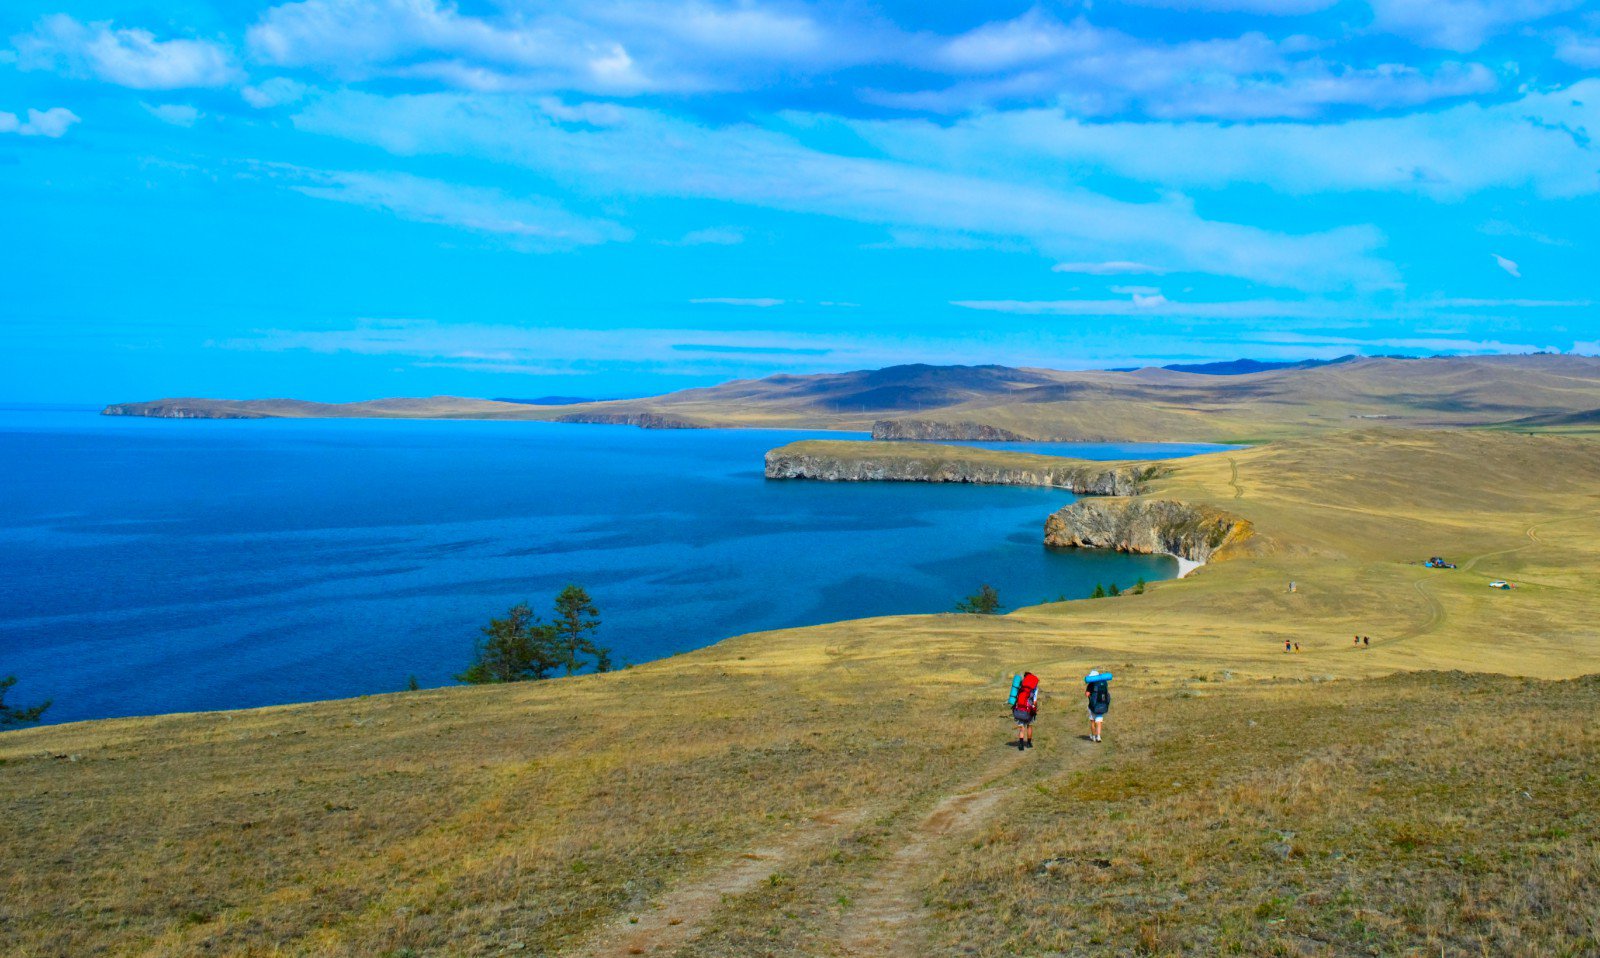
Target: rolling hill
x=1153, y=404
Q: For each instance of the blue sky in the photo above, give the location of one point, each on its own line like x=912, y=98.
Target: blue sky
x=340, y=199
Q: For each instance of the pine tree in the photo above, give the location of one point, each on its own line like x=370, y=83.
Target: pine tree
x=513, y=649
x=11, y=715
x=1099, y=592
x=575, y=624
x=985, y=601
x=1113, y=591
x=1138, y=587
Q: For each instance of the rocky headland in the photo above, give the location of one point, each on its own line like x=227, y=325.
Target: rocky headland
x=926, y=430
x=1154, y=526
x=184, y=409
x=847, y=461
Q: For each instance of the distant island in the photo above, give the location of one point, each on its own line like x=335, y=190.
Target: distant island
x=1242, y=400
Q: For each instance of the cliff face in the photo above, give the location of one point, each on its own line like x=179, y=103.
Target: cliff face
x=1145, y=525
x=1081, y=478
x=180, y=409
x=644, y=420
x=923, y=429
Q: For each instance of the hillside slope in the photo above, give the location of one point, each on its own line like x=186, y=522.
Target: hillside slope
x=843, y=789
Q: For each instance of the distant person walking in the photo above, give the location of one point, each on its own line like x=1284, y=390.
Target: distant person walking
x=1024, y=704
x=1366, y=641
x=1097, y=688
x=1286, y=646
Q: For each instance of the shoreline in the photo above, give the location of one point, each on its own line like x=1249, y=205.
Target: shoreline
x=1185, y=566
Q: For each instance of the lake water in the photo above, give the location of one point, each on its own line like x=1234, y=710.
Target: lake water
x=167, y=565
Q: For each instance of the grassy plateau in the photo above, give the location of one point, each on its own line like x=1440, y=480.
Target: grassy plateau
x=845, y=789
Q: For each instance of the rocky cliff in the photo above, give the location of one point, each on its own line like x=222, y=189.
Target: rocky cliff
x=644, y=420
x=813, y=460
x=927, y=430
x=182, y=409
x=1145, y=525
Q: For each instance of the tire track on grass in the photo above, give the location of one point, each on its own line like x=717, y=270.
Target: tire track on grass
x=676, y=917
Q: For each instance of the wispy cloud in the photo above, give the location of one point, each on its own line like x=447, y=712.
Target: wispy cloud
x=625, y=154
x=751, y=350
x=1508, y=265
x=712, y=236
x=533, y=224
x=51, y=124
x=174, y=114
x=1460, y=25
x=129, y=57
x=1112, y=268
x=757, y=302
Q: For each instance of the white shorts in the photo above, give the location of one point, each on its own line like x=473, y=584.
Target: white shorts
x=1096, y=718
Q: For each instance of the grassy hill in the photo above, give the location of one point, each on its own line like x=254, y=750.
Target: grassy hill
x=844, y=790
x=1154, y=404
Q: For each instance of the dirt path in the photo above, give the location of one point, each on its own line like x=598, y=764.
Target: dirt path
x=1233, y=479
x=885, y=921
x=673, y=920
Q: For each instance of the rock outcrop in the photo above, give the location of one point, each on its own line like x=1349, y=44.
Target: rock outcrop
x=1085, y=478
x=182, y=409
x=1145, y=525
x=930, y=431
x=644, y=420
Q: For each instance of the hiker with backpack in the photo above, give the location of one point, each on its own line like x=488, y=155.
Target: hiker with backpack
x=1024, y=704
x=1097, y=688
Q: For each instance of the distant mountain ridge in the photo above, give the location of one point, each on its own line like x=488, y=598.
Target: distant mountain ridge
x=1238, y=400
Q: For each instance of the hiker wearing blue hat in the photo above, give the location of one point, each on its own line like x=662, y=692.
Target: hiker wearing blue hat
x=1097, y=687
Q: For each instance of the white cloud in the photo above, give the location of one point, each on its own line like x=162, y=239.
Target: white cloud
x=759, y=303
x=277, y=91
x=1113, y=268
x=646, y=153
x=533, y=224
x=1460, y=25
x=1507, y=265
x=360, y=39
x=1088, y=70
x=1536, y=141
x=177, y=114
x=1580, y=47
x=602, y=47
x=52, y=123
x=1156, y=305
x=128, y=57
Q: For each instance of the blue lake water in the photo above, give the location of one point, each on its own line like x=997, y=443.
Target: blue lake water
x=167, y=565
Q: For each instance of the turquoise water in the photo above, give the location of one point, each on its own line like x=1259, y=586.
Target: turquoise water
x=166, y=565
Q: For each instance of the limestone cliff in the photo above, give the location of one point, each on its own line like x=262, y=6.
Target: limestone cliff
x=928, y=430
x=1145, y=525
x=183, y=409
x=814, y=460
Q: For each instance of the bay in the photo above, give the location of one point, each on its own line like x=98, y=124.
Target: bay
x=169, y=565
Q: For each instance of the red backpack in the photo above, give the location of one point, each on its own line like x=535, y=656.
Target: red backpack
x=1028, y=693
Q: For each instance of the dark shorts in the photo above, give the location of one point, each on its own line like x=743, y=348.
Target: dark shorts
x=1023, y=716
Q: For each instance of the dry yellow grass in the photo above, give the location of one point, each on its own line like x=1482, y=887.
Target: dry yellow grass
x=534, y=817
